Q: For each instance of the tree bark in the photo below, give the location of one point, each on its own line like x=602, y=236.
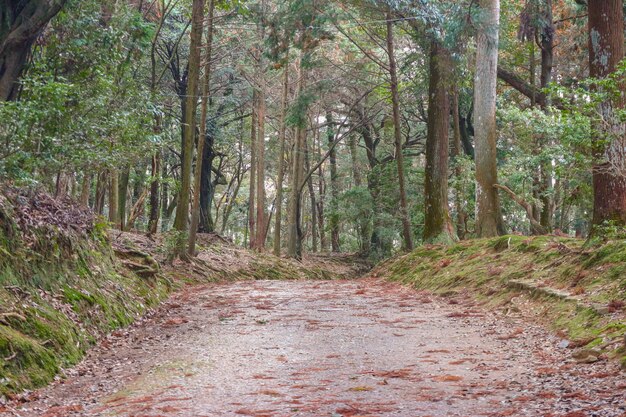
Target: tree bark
x=488, y=213
x=294, y=242
x=395, y=100
x=333, y=218
x=459, y=191
x=259, y=241
x=606, y=50
x=281, y=161
x=253, y=171
x=189, y=120
x=123, y=195
x=21, y=22
x=85, y=190
x=438, y=227
x=155, y=198
x=114, y=198
x=206, y=89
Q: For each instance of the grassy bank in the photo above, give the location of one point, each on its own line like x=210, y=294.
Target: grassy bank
x=579, y=291
x=61, y=287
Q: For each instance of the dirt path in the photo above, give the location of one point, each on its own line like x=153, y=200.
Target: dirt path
x=332, y=348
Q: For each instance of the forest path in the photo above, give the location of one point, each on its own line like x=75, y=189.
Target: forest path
x=329, y=348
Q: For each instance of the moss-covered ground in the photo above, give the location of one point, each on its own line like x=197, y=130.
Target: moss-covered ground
x=60, y=289
x=577, y=289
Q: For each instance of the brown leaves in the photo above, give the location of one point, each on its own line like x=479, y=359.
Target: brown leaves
x=448, y=378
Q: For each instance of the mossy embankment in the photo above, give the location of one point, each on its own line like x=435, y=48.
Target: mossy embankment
x=61, y=287
x=578, y=290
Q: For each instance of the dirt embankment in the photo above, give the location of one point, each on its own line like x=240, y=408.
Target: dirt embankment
x=577, y=290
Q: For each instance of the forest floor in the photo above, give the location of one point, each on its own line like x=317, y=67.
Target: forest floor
x=333, y=348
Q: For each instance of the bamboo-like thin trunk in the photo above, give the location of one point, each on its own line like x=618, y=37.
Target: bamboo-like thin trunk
x=281, y=161
x=395, y=100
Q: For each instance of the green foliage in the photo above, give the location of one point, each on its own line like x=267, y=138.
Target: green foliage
x=81, y=103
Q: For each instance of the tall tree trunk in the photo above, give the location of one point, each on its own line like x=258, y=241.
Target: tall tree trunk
x=313, y=202
x=459, y=190
x=395, y=100
x=155, y=198
x=206, y=89
x=294, y=236
x=114, y=198
x=606, y=50
x=101, y=187
x=85, y=190
x=189, y=120
x=281, y=160
x=259, y=241
x=321, y=188
x=123, y=195
x=253, y=171
x=438, y=227
x=21, y=22
x=333, y=218
x=545, y=168
x=364, y=229
x=488, y=213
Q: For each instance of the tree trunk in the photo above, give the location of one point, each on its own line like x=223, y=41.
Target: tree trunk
x=281, y=161
x=321, y=189
x=545, y=169
x=253, y=171
x=364, y=229
x=21, y=22
x=113, y=198
x=155, y=198
x=606, y=50
x=395, y=100
x=206, y=89
x=101, y=187
x=189, y=120
x=333, y=218
x=459, y=191
x=261, y=232
x=313, y=202
x=294, y=241
x=85, y=190
x=488, y=213
x=123, y=195
x=438, y=227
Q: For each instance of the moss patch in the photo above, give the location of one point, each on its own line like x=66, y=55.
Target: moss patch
x=573, y=285
x=60, y=289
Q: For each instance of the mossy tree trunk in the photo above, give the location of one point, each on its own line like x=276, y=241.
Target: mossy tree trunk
x=438, y=227
x=189, y=121
x=489, y=220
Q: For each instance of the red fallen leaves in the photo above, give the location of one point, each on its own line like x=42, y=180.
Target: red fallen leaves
x=175, y=321
x=513, y=335
x=448, y=378
x=62, y=411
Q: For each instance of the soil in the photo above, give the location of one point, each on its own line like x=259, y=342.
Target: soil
x=328, y=348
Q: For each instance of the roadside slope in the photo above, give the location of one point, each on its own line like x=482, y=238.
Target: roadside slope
x=61, y=287
x=579, y=292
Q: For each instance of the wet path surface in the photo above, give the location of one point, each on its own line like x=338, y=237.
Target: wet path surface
x=332, y=348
